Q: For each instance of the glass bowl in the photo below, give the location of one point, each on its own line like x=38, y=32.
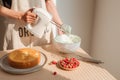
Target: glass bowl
x=67, y=43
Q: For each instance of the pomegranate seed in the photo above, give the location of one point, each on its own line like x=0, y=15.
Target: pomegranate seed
x=54, y=73
x=54, y=62
x=69, y=63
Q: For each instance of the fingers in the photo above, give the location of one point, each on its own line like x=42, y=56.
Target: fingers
x=60, y=32
x=29, y=17
x=31, y=9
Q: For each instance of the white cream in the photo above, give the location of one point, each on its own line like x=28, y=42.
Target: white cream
x=64, y=39
x=67, y=38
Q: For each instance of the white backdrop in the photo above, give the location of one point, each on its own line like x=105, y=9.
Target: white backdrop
x=106, y=31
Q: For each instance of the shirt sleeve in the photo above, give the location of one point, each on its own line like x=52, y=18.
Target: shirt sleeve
x=6, y=3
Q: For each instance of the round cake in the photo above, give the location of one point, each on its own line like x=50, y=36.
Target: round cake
x=24, y=58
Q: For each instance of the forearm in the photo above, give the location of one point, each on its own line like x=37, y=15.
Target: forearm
x=10, y=13
x=52, y=10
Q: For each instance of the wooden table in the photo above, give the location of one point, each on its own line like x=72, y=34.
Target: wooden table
x=86, y=71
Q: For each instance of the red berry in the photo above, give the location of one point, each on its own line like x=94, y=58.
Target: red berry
x=54, y=73
x=69, y=63
x=54, y=62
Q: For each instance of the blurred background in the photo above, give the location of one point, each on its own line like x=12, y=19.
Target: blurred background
x=97, y=22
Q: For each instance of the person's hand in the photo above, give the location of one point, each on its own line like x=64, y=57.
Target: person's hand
x=29, y=17
x=65, y=29
x=60, y=32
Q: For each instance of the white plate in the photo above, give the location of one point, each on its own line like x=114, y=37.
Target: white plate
x=6, y=67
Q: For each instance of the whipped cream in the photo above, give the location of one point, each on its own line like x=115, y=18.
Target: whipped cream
x=67, y=38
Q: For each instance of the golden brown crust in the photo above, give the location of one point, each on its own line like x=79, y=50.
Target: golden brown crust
x=24, y=58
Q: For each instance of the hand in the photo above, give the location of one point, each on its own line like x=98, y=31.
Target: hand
x=29, y=17
x=60, y=32
x=65, y=29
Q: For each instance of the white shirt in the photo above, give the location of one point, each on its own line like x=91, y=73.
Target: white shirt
x=17, y=36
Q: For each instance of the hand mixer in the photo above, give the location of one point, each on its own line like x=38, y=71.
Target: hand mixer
x=44, y=18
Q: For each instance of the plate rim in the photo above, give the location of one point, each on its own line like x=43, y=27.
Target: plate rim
x=28, y=70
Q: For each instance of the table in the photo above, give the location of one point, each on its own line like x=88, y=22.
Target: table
x=86, y=71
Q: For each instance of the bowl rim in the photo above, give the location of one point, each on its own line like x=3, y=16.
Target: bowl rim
x=79, y=39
